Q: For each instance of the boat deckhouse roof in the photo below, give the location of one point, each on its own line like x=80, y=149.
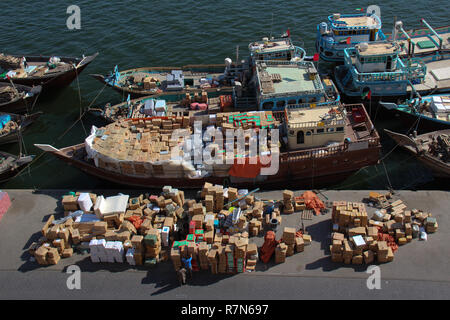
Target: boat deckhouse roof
x=314, y=117
x=272, y=45
x=282, y=78
x=377, y=48
x=354, y=21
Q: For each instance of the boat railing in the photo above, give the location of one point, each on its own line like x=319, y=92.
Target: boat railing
x=421, y=32
x=299, y=52
x=292, y=94
x=316, y=124
x=303, y=64
x=416, y=70
x=330, y=104
x=324, y=152
x=294, y=156
x=343, y=25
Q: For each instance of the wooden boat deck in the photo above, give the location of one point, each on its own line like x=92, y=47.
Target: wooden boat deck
x=417, y=50
x=431, y=83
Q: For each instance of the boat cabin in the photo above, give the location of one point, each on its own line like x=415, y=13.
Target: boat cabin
x=376, y=56
x=282, y=84
x=360, y=27
x=275, y=49
x=315, y=127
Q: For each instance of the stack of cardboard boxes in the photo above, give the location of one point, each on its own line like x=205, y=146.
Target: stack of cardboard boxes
x=358, y=239
x=288, y=197
x=352, y=240
x=152, y=242
x=252, y=256
x=212, y=259
x=203, y=255
x=289, y=239
x=280, y=253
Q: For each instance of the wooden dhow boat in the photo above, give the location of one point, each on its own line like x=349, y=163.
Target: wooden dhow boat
x=156, y=81
x=12, y=125
x=50, y=72
x=214, y=79
x=316, y=146
x=17, y=98
x=428, y=113
x=10, y=165
x=432, y=149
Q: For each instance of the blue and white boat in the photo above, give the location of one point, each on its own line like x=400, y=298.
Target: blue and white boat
x=345, y=31
x=430, y=113
x=376, y=67
x=277, y=85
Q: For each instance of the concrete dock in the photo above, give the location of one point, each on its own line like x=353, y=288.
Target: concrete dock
x=419, y=270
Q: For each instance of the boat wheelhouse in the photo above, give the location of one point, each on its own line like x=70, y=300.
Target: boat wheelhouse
x=275, y=49
x=376, y=67
x=314, y=127
x=285, y=84
x=345, y=31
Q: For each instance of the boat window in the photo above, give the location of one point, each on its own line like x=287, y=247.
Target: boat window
x=281, y=104
x=339, y=129
x=308, y=133
x=300, y=101
x=361, y=59
x=330, y=129
x=267, y=105
x=320, y=130
x=300, y=137
x=292, y=102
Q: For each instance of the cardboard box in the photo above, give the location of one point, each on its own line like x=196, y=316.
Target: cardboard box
x=288, y=195
x=336, y=246
x=390, y=255
x=401, y=241
x=382, y=248
x=47, y=225
x=299, y=244
x=67, y=253
x=372, y=232
x=357, y=231
x=337, y=236
x=368, y=257
x=307, y=239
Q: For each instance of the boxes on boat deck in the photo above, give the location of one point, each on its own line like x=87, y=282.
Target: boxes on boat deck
x=149, y=83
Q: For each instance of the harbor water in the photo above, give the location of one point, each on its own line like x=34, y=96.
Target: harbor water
x=174, y=33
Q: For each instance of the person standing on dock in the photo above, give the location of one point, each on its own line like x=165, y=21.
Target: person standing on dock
x=188, y=265
x=181, y=274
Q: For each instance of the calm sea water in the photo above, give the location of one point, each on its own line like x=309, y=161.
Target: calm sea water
x=158, y=33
